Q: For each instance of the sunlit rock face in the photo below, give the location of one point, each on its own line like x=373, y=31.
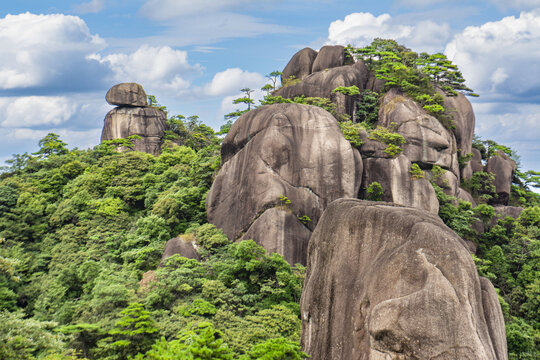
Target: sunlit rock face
x=282, y=150
x=390, y=282
x=133, y=117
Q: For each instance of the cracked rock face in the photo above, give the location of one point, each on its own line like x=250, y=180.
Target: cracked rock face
x=292, y=150
x=428, y=142
x=398, y=185
x=389, y=282
x=147, y=122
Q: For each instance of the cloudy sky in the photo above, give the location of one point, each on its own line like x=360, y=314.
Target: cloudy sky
x=58, y=58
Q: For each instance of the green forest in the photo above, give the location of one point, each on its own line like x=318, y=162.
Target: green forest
x=82, y=233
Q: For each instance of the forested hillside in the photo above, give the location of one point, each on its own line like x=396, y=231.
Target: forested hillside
x=83, y=232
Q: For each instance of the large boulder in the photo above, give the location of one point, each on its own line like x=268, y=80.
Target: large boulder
x=278, y=230
x=331, y=56
x=503, y=167
x=321, y=84
x=463, y=120
x=181, y=245
x=147, y=122
x=428, y=142
x=476, y=161
x=291, y=150
x=391, y=282
x=398, y=185
x=299, y=66
x=127, y=94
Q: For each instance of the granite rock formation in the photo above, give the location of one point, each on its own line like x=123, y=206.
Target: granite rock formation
x=463, y=120
x=299, y=66
x=127, y=94
x=322, y=83
x=180, y=245
x=503, y=168
x=390, y=282
x=331, y=56
x=131, y=119
x=398, y=184
x=290, y=150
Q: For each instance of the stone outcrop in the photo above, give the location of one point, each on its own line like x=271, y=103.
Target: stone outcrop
x=299, y=66
x=428, y=142
x=130, y=119
x=331, y=56
x=322, y=83
x=180, y=245
x=463, y=120
x=127, y=94
x=290, y=150
x=278, y=230
x=391, y=282
x=503, y=167
x=476, y=161
x=398, y=185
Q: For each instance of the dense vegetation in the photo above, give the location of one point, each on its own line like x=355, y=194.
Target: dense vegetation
x=82, y=233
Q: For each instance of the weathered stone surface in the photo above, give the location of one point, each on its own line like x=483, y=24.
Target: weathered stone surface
x=502, y=211
x=511, y=211
x=448, y=181
x=283, y=149
x=463, y=120
x=279, y=231
x=503, y=167
x=331, y=56
x=374, y=84
x=428, y=142
x=390, y=282
x=126, y=94
x=465, y=196
x=494, y=318
x=322, y=83
x=181, y=245
x=147, y=122
x=300, y=65
x=398, y=185
x=476, y=161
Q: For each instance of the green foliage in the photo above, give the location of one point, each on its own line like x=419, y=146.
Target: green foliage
x=481, y=187
x=51, y=145
x=391, y=139
x=347, y=90
x=276, y=349
x=367, y=110
x=284, y=200
x=22, y=338
x=304, y=219
x=323, y=103
x=242, y=100
x=374, y=192
x=351, y=132
x=464, y=160
x=416, y=172
x=200, y=343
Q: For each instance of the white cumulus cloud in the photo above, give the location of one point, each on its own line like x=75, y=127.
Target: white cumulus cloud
x=232, y=80
x=31, y=111
x=48, y=51
x=359, y=29
x=500, y=58
x=154, y=67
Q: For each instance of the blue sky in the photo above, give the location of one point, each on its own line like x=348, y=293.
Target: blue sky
x=58, y=58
